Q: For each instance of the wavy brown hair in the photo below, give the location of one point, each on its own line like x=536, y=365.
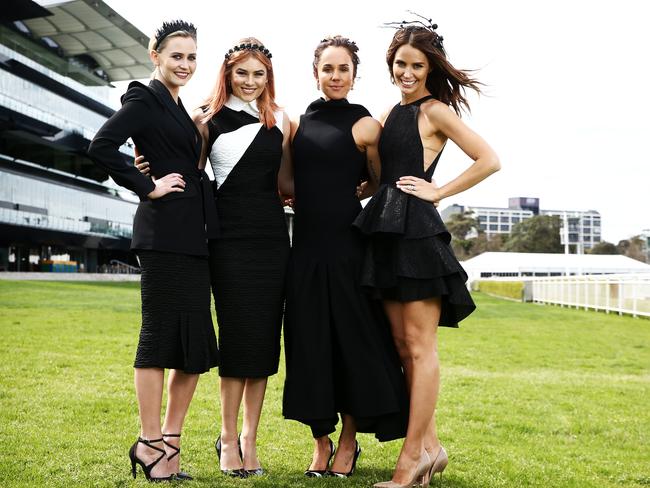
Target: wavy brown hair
x=445, y=82
x=222, y=90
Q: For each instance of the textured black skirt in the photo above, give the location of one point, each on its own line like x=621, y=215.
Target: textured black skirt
x=177, y=330
x=404, y=270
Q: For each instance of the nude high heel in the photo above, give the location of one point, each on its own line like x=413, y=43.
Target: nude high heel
x=418, y=477
x=438, y=465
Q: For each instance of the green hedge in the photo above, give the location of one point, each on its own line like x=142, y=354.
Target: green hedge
x=507, y=289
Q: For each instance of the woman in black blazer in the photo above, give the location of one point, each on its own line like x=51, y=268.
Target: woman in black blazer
x=174, y=219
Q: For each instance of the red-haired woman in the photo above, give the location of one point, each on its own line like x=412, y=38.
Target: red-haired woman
x=409, y=263
x=246, y=137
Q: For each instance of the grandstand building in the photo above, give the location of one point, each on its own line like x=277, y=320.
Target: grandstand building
x=58, y=210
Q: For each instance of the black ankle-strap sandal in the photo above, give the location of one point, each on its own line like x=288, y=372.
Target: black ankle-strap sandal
x=181, y=475
x=146, y=468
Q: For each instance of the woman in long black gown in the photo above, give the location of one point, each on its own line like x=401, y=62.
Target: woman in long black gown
x=339, y=356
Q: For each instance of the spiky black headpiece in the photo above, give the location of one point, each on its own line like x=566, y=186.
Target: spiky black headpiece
x=249, y=47
x=425, y=23
x=174, y=26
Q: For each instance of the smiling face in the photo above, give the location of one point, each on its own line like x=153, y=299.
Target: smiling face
x=410, y=69
x=335, y=73
x=176, y=62
x=248, y=79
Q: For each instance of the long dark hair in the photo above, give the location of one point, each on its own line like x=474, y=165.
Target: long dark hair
x=445, y=82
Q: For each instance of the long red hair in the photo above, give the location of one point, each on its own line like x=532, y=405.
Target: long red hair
x=222, y=89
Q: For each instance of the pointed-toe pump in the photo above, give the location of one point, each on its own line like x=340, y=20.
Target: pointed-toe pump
x=438, y=465
x=249, y=472
x=418, y=477
x=319, y=473
x=233, y=473
x=357, y=453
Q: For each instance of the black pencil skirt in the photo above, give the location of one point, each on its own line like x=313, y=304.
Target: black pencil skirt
x=177, y=330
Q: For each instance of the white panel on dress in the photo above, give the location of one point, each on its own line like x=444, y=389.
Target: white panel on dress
x=228, y=149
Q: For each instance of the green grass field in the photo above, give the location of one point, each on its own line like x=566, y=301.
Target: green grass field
x=532, y=396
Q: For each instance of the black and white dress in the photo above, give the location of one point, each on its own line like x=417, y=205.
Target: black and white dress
x=248, y=262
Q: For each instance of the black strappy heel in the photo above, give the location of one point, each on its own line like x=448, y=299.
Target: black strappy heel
x=355, y=457
x=181, y=475
x=319, y=473
x=146, y=468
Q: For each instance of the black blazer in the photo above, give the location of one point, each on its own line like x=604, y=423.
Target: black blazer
x=179, y=222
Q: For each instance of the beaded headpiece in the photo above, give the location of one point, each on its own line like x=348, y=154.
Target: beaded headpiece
x=425, y=23
x=174, y=26
x=249, y=47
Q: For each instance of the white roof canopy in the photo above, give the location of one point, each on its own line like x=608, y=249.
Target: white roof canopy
x=522, y=262
x=92, y=28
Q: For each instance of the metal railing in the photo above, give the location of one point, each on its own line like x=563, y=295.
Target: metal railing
x=622, y=294
x=119, y=267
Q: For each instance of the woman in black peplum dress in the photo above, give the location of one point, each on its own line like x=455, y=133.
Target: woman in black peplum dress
x=409, y=262
x=339, y=355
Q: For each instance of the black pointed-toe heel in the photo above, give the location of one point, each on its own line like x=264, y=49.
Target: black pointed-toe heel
x=181, y=475
x=357, y=453
x=234, y=473
x=319, y=473
x=146, y=468
x=249, y=472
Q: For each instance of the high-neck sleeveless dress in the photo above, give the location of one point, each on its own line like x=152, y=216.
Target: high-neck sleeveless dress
x=248, y=262
x=339, y=354
x=408, y=257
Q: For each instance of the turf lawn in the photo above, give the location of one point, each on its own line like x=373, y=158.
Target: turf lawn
x=532, y=396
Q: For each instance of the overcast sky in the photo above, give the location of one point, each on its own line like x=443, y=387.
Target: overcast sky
x=567, y=98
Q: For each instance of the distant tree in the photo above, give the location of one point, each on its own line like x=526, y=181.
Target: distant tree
x=604, y=247
x=632, y=248
x=537, y=234
x=460, y=226
x=483, y=244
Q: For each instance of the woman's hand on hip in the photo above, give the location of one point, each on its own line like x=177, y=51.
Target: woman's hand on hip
x=418, y=187
x=170, y=183
x=142, y=165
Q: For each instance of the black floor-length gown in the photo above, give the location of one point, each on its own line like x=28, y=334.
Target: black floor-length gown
x=339, y=354
x=408, y=256
x=248, y=262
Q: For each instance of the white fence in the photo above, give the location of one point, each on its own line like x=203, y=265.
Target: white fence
x=622, y=294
